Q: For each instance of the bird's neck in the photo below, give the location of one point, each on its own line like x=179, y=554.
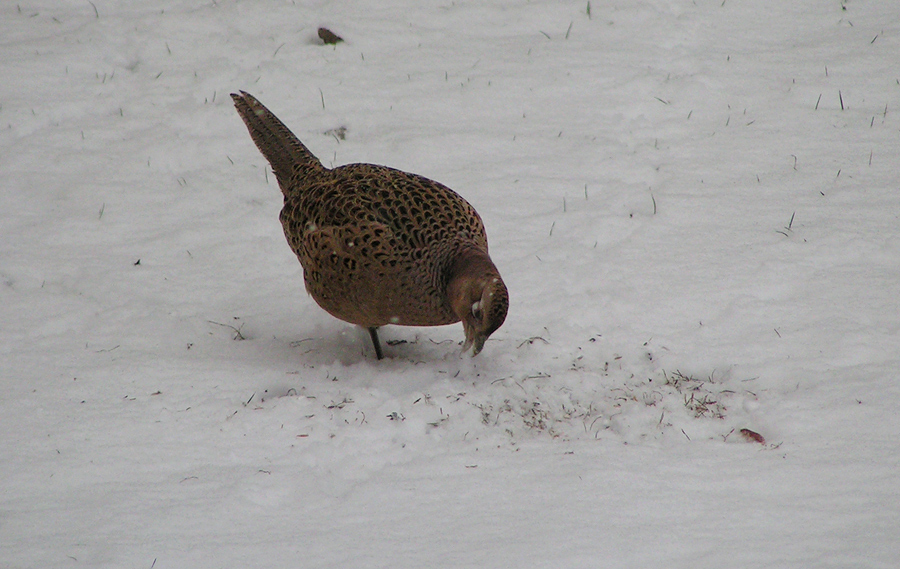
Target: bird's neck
x=472, y=264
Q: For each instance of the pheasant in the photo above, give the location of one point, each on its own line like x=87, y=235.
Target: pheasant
x=378, y=245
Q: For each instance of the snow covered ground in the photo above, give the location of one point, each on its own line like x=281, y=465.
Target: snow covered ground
x=696, y=208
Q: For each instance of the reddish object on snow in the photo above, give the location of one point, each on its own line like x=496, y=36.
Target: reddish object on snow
x=753, y=436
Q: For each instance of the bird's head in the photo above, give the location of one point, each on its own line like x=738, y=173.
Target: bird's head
x=479, y=299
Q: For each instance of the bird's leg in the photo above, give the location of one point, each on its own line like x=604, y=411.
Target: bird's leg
x=373, y=332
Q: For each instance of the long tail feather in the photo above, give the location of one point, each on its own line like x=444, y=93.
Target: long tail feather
x=284, y=151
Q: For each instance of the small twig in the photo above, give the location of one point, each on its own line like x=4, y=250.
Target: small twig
x=237, y=331
x=532, y=340
x=343, y=403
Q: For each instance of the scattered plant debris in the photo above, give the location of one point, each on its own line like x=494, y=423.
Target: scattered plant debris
x=340, y=133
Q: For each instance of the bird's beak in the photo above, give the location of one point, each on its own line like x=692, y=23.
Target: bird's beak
x=476, y=342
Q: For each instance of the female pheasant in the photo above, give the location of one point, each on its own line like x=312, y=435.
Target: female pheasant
x=379, y=246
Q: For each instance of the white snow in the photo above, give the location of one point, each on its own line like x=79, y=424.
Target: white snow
x=694, y=204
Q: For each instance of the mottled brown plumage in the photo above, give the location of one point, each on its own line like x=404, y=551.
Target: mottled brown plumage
x=381, y=246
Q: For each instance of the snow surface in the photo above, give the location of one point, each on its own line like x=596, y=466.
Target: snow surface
x=695, y=206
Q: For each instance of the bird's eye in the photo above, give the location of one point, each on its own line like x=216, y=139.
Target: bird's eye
x=476, y=310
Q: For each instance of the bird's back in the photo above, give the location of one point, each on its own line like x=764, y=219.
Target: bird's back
x=418, y=211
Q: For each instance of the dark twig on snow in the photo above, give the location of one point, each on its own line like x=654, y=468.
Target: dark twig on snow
x=237, y=331
x=532, y=340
